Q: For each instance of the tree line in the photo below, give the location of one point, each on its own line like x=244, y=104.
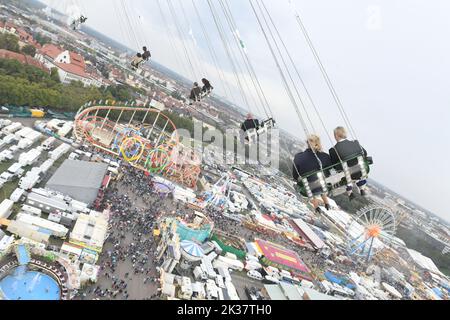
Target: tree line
x=26, y=85
x=11, y=43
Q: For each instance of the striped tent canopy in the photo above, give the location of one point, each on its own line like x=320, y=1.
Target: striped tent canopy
x=192, y=248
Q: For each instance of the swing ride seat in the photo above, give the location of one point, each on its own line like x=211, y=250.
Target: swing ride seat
x=252, y=136
x=266, y=126
x=319, y=182
x=205, y=94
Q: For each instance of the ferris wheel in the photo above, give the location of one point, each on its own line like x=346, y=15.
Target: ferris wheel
x=371, y=231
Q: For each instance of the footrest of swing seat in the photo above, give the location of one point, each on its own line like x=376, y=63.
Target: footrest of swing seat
x=302, y=191
x=338, y=191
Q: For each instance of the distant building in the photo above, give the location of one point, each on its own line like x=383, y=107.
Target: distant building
x=24, y=37
x=53, y=37
x=116, y=75
x=90, y=231
x=80, y=180
x=285, y=291
x=71, y=66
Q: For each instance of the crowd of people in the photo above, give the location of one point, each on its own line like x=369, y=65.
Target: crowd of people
x=134, y=209
x=128, y=260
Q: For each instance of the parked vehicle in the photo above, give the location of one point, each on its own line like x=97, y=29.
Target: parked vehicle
x=255, y=275
x=271, y=280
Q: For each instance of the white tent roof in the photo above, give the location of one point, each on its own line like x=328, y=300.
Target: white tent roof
x=423, y=261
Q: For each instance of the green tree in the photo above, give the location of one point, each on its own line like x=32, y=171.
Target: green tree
x=9, y=42
x=29, y=50
x=42, y=40
x=54, y=75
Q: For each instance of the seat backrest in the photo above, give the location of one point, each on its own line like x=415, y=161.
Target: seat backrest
x=358, y=166
x=262, y=130
x=270, y=123
x=319, y=183
x=252, y=135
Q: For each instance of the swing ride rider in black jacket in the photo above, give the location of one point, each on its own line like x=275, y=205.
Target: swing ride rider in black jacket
x=196, y=93
x=146, y=55
x=207, y=87
x=310, y=161
x=250, y=123
x=307, y=162
x=347, y=151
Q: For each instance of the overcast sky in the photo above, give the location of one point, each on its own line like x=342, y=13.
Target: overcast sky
x=388, y=59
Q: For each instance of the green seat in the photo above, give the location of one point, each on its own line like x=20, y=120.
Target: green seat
x=332, y=184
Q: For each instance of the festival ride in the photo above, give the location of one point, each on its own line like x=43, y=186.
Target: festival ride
x=219, y=194
x=141, y=136
x=370, y=232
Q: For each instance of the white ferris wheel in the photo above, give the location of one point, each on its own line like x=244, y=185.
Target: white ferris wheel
x=372, y=230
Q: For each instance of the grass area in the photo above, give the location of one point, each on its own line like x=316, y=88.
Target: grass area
x=15, y=211
x=5, y=166
x=61, y=160
x=8, y=189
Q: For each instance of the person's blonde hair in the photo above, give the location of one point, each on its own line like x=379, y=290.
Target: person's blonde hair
x=340, y=133
x=314, y=143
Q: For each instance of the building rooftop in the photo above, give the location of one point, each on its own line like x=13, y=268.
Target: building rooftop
x=77, y=65
x=73, y=68
x=90, y=231
x=22, y=58
x=80, y=180
x=423, y=261
x=50, y=50
x=275, y=292
x=281, y=256
x=306, y=231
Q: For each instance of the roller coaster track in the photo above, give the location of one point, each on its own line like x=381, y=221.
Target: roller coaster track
x=144, y=137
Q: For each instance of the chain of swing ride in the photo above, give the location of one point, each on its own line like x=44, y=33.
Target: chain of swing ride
x=263, y=9
x=266, y=24
x=328, y=81
x=248, y=64
x=230, y=54
x=323, y=71
x=237, y=69
x=282, y=74
x=173, y=46
x=286, y=85
x=213, y=55
x=192, y=59
x=232, y=58
x=212, y=52
x=272, y=30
